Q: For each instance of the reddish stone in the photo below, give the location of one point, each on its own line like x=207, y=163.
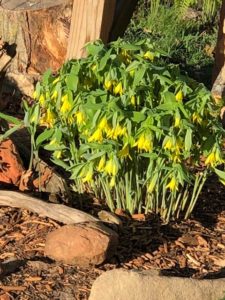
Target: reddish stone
x=81, y=244
x=11, y=167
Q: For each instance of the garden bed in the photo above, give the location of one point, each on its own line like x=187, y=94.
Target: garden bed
x=193, y=248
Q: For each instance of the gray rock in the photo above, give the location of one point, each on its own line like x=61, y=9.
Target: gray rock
x=81, y=244
x=148, y=285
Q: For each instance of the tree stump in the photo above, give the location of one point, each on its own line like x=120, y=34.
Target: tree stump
x=37, y=31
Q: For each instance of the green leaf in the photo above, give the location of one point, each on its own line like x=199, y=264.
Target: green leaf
x=72, y=81
x=75, y=170
x=9, y=132
x=11, y=119
x=54, y=147
x=148, y=155
x=104, y=60
x=94, y=49
x=169, y=97
x=60, y=163
x=138, y=117
x=139, y=74
x=188, y=140
x=45, y=135
x=220, y=174
x=94, y=156
x=208, y=144
x=170, y=106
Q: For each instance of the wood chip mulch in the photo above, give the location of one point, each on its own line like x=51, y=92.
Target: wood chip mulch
x=193, y=248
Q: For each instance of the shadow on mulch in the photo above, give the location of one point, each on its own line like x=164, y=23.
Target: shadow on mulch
x=139, y=237
x=210, y=203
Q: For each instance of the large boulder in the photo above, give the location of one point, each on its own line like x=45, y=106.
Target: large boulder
x=148, y=285
x=81, y=244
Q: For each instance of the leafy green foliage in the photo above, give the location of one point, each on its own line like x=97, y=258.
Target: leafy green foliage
x=128, y=129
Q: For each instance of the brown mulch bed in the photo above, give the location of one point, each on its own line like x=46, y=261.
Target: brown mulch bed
x=193, y=248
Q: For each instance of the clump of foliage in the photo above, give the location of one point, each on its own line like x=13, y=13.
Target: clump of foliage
x=129, y=130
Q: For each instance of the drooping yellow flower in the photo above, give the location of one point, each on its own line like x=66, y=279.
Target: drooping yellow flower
x=196, y=118
x=66, y=106
x=132, y=72
x=111, y=167
x=35, y=95
x=175, y=157
x=116, y=132
x=144, y=142
x=178, y=145
x=94, y=67
x=112, y=182
x=53, y=142
x=124, y=152
x=177, y=121
x=211, y=159
x=108, y=84
x=101, y=164
x=56, y=80
x=50, y=118
x=125, y=56
x=149, y=55
x=172, y=185
x=42, y=99
x=80, y=116
x=214, y=158
x=133, y=100
x=118, y=89
x=57, y=154
x=179, y=96
x=103, y=124
x=54, y=95
x=88, y=177
x=168, y=144
x=96, y=136
x=34, y=119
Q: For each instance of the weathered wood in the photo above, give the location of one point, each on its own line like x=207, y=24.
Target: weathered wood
x=91, y=20
x=38, y=31
x=58, y=212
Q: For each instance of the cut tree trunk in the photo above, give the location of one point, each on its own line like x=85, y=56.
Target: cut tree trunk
x=37, y=32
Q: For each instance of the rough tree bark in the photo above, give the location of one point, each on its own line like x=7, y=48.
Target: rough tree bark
x=37, y=31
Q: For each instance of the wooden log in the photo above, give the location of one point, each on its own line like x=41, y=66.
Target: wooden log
x=38, y=31
x=58, y=212
x=91, y=20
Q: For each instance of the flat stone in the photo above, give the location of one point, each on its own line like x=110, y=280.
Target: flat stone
x=148, y=285
x=81, y=244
